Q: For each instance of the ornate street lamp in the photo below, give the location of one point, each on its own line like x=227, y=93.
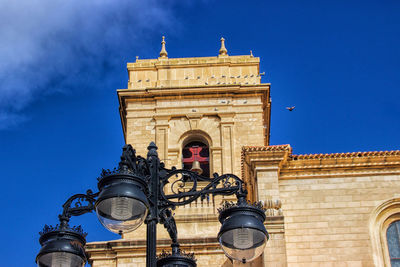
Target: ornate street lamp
x=122, y=204
x=242, y=235
x=62, y=246
x=137, y=192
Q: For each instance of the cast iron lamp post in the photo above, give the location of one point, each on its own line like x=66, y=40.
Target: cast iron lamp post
x=137, y=192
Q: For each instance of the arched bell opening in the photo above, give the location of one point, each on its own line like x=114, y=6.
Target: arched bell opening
x=196, y=154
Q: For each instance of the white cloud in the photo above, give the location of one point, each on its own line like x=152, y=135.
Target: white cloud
x=47, y=46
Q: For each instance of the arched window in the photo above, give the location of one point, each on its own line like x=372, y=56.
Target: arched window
x=385, y=233
x=393, y=243
x=196, y=151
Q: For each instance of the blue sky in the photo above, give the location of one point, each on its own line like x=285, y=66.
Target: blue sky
x=61, y=62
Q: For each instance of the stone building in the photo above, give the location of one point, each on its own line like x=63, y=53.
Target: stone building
x=322, y=209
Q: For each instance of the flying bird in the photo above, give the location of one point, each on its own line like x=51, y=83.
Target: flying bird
x=290, y=108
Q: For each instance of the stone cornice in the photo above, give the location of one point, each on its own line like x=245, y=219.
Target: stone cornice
x=342, y=164
x=161, y=65
x=267, y=148
x=291, y=166
x=347, y=155
x=190, y=90
x=258, y=154
x=252, y=156
x=125, y=95
x=111, y=250
x=123, y=248
x=194, y=62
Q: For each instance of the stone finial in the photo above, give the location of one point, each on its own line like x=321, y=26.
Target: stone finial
x=251, y=53
x=222, y=50
x=163, y=52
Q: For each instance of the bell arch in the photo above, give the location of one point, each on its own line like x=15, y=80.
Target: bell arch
x=195, y=145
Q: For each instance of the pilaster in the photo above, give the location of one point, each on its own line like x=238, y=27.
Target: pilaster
x=216, y=164
x=161, y=127
x=227, y=137
x=260, y=166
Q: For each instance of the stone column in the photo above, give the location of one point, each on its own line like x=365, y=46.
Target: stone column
x=227, y=142
x=216, y=162
x=162, y=125
x=173, y=160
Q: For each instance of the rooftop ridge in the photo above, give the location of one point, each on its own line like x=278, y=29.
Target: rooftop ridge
x=290, y=156
x=286, y=147
x=273, y=148
x=346, y=155
x=169, y=59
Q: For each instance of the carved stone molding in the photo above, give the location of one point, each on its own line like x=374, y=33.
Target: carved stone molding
x=380, y=219
x=319, y=165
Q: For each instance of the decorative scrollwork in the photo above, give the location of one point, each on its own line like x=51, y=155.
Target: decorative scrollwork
x=184, y=186
x=229, y=204
x=167, y=219
x=136, y=164
x=183, y=183
x=58, y=227
x=79, y=204
x=128, y=158
x=48, y=229
x=130, y=163
x=108, y=172
x=166, y=254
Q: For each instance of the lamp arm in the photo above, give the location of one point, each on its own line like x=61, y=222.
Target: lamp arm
x=79, y=204
x=136, y=164
x=184, y=187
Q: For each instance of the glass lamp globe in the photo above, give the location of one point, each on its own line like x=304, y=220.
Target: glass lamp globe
x=122, y=204
x=121, y=214
x=60, y=259
x=242, y=235
x=243, y=244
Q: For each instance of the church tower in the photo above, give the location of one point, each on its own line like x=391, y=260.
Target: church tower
x=200, y=111
x=217, y=104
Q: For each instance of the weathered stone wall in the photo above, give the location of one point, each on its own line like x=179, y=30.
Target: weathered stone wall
x=328, y=202
x=327, y=219
x=184, y=72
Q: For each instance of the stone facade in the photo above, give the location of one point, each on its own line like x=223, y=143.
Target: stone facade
x=322, y=210
x=330, y=202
